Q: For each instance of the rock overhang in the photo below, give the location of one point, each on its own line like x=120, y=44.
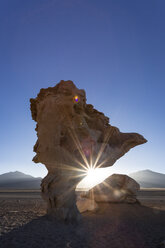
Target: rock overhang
x=73, y=136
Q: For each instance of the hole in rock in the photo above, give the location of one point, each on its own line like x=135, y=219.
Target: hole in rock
x=93, y=177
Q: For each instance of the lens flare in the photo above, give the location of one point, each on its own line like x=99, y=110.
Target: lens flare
x=93, y=177
x=76, y=98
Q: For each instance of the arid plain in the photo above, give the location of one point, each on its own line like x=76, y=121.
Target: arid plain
x=23, y=223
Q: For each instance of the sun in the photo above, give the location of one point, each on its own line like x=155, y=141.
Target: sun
x=93, y=177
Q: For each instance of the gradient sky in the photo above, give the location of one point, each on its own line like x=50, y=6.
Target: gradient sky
x=115, y=50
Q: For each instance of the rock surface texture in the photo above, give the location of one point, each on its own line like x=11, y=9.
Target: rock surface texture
x=72, y=135
x=115, y=189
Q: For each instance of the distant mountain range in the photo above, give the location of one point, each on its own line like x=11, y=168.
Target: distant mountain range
x=149, y=179
x=19, y=180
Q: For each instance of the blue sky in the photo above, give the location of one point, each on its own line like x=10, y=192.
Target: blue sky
x=115, y=50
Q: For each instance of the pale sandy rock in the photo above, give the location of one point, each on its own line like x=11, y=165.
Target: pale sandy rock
x=116, y=188
x=69, y=133
x=85, y=204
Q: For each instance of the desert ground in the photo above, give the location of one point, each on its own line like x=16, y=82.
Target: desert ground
x=23, y=223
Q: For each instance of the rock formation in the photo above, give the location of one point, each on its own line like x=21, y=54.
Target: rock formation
x=116, y=188
x=72, y=135
x=86, y=204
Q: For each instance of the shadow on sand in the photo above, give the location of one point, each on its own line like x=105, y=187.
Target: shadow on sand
x=113, y=226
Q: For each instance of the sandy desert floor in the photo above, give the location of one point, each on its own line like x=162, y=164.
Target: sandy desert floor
x=23, y=223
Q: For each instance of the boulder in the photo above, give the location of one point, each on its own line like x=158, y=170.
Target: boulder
x=86, y=204
x=116, y=188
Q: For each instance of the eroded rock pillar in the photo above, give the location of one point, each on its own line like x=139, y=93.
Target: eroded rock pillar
x=72, y=136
